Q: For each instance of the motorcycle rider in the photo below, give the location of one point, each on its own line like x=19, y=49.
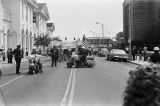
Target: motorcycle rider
x=155, y=57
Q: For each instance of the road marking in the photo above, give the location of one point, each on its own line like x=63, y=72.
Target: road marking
x=67, y=89
x=72, y=89
x=11, y=81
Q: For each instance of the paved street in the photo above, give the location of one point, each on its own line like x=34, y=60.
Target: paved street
x=99, y=86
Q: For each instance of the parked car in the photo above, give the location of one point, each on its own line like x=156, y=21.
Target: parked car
x=103, y=52
x=117, y=54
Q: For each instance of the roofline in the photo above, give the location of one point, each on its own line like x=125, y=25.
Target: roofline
x=33, y=3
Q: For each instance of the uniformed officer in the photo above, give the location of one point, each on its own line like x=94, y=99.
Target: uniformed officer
x=155, y=57
x=54, y=55
x=18, y=56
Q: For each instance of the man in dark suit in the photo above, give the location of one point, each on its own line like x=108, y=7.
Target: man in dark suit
x=18, y=56
x=54, y=55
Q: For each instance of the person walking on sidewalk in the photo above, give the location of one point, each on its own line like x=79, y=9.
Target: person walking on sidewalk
x=18, y=56
x=140, y=53
x=145, y=53
x=155, y=57
x=54, y=55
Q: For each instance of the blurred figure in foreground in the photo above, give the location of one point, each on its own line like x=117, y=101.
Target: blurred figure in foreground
x=155, y=57
x=143, y=86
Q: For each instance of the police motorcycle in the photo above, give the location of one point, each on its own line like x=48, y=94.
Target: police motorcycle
x=80, y=61
x=35, y=64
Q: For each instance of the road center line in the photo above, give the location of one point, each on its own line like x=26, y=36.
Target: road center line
x=67, y=89
x=72, y=89
x=11, y=81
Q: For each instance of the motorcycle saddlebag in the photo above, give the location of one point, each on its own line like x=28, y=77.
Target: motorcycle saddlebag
x=90, y=58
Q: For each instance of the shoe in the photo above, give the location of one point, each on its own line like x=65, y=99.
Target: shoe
x=17, y=72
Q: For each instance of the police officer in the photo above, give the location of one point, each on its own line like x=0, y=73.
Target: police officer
x=18, y=56
x=54, y=55
x=155, y=57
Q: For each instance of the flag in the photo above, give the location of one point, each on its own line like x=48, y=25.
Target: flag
x=86, y=43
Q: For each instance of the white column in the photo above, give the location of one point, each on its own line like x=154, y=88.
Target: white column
x=1, y=39
x=29, y=45
x=24, y=43
x=5, y=42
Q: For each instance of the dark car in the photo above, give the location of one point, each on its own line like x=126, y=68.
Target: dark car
x=117, y=54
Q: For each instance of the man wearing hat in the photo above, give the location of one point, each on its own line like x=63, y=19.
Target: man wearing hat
x=155, y=57
x=18, y=56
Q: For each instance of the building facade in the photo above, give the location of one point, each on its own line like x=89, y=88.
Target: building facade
x=138, y=17
x=21, y=21
x=101, y=41
x=1, y=26
x=18, y=23
x=41, y=16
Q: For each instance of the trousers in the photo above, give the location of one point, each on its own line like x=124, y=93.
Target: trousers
x=18, y=63
x=55, y=62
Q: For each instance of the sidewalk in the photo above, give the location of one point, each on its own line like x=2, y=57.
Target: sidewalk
x=6, y=64
x=139, y=62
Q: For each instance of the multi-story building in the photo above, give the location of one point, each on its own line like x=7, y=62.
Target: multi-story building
x=18, y=15
x=20, y=22
x=138, y=17
x=102, y=41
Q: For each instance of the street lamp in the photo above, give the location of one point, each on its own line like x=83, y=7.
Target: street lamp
x=102, y=28
x=94, y=37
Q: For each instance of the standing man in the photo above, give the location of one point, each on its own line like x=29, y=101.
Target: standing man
x=18, y=56
x=155, y=57
x=26, y=52
x=54, y=55
x=145, y=53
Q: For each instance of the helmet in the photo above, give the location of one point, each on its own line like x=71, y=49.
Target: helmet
x=156, y=48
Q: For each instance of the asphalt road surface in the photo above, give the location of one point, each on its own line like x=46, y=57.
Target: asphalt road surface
x=102, y=85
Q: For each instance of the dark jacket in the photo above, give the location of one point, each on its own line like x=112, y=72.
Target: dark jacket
x=155, y=58
x=54, y=53
x=17, y=53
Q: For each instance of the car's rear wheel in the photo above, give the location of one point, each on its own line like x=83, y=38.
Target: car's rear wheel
x=125, y=60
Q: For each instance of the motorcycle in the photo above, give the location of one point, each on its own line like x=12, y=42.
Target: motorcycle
x=81, y=61
x=35, y=65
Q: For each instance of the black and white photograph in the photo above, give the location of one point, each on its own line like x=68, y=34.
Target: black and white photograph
x=79, y=53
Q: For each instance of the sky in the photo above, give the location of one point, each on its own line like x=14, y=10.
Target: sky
x=74, y=18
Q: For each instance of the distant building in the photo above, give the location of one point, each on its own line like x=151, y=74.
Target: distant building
x=103, y=41
x=138, y=17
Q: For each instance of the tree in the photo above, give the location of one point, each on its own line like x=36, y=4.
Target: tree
x=120, y=38
x=42, y=41
x=56, y=38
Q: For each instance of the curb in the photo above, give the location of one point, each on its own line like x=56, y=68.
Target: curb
x=138, y=63
x=21, y=62
x=134, y=63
